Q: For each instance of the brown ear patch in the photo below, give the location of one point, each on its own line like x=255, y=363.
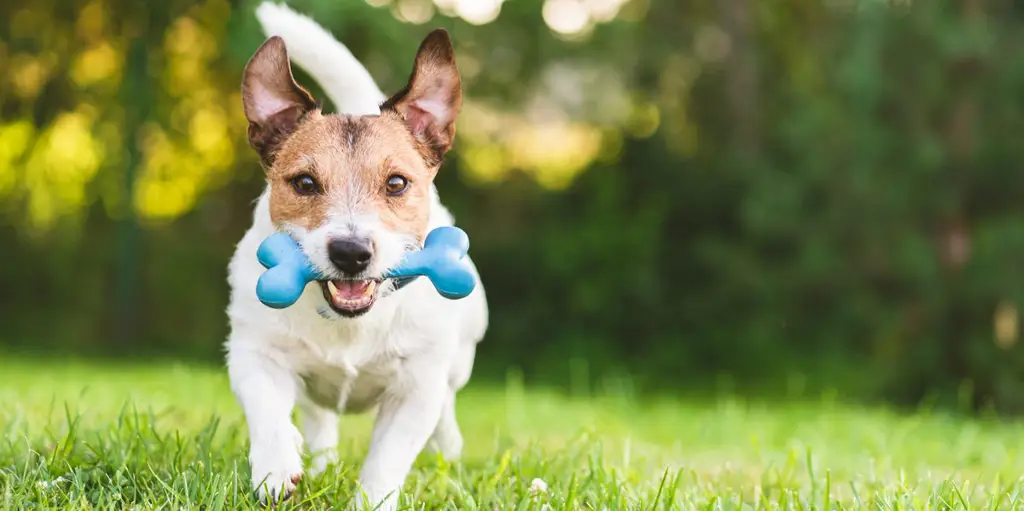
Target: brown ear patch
x=273, y=102
x=430, y=102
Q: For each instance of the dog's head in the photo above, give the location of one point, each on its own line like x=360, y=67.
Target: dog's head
x=353, y=190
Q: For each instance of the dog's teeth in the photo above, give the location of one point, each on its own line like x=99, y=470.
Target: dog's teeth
x=341, y=294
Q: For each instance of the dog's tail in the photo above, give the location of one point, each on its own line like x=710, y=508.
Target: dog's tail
x=344, y=79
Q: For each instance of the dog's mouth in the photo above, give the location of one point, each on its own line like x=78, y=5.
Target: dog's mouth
x=350, y=298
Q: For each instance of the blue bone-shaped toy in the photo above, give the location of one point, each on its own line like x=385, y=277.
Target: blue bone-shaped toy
x=442, y=260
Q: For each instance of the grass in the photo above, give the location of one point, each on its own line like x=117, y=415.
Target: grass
x=81, y=436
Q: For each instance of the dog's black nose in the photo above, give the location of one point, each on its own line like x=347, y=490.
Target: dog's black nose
x=350, y=255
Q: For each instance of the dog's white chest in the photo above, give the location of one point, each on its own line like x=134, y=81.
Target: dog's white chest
x=346, y=367
x=347, y=387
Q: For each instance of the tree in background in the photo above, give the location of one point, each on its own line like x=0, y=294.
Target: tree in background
x=789, y=195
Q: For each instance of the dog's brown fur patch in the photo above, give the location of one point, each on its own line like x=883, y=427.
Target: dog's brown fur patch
x=435, y=78
x=351, y=158
x=274, y=104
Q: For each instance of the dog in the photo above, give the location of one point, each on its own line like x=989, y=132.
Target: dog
x=355, y=190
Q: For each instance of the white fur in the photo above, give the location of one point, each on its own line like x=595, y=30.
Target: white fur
x=407, y=356
x=345, y=81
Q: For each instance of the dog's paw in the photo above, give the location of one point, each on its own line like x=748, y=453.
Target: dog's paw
x=367, y=501
x=276, y=466
x=446, y=441
x=448, y=446
x=321, y=461
x=273, y=489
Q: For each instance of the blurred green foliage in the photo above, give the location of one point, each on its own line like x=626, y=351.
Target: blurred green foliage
x=764, y=194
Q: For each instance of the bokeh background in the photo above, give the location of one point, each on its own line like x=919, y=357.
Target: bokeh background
x=766, y=197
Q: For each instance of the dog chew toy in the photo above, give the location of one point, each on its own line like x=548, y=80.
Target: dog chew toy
x=442, y=260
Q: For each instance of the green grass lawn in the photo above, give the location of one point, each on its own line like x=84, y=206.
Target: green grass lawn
x=79, y=436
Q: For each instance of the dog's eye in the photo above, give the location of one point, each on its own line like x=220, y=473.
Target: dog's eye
x=304, y=184
x=396, y=185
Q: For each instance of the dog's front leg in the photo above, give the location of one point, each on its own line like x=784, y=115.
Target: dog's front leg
x=266, y=392
x=406, y=418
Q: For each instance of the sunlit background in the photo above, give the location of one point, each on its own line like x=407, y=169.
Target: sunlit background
x=764, y=197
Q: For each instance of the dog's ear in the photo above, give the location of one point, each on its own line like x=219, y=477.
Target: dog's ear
x=274, y=104
x=433, y=97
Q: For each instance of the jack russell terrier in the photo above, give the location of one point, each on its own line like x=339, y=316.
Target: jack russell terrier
x=355, y=190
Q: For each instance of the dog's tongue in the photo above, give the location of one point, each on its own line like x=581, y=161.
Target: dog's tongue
x=351, y=289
